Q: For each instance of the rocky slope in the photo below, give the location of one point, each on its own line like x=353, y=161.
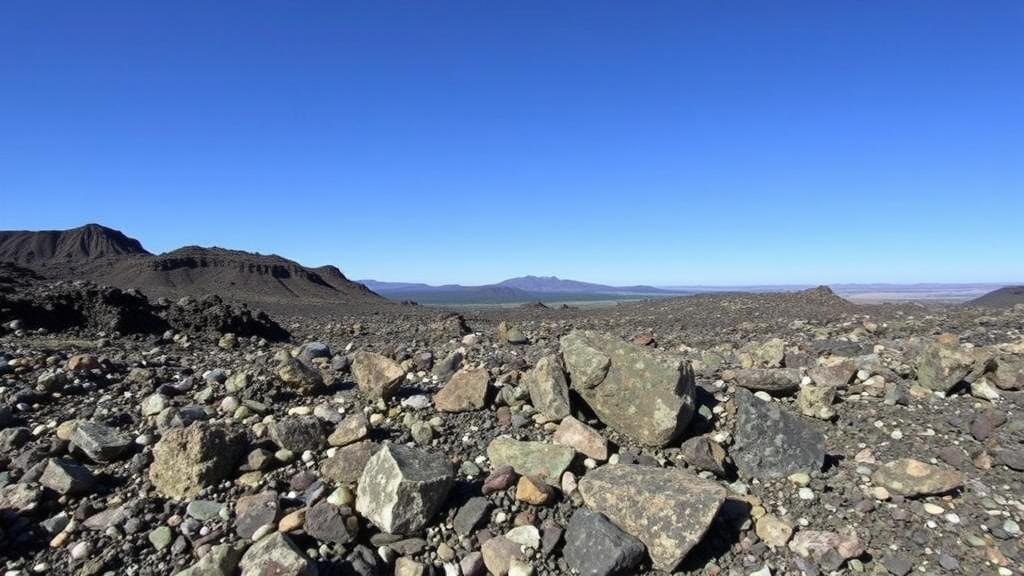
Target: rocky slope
x=59, y=247
x=728, y=434
x=108, y=257
x=1002, y=298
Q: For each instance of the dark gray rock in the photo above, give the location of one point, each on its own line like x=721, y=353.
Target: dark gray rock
x=297, y=433
x=596, y=547
x=471, y=515
x=771, y=442
x=255, y=511
x=66, y=476
x=328, y=523
x=100, y=443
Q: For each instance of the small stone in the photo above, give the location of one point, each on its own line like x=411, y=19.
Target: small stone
x=912, y=478
x=582, y=438
x=100, y=443
x=276, y=555
x=377, y=376
x=534, y=491
x=465, y=391
x=540, y=459
x=774, y=531
x=351, y=429
x=596, y=547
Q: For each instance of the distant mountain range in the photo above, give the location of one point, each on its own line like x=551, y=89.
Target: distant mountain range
x=1002, y=298
x=514, y=290
x=107, y=256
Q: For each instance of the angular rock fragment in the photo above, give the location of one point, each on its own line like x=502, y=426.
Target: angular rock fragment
x=297, y=433
x=328, y=523
x=546, y=461
x=276, y=555
x=401, y=488
x=831, y=549
x=549, y=391
x=66, y=476
x=836, y=374
x=771, y=442
x=299, y=376
x=582, y=438
x=188, y=459
x=702, y=453
x=771, y=380
x=377, y=376
x=668, y=510
x=816, y=402
x=100, y=443
x=465, y=391
x=942, y=365
x=596, y=547
x=221, y=560
x=499, y=553
x=911, y=478
x=644, y=394
x=255, y=511
x=347, y=464
x=351, y=429
x=471, y=515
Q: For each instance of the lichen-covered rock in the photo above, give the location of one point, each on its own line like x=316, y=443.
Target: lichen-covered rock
x=546, y=461
x=401, y=488
x=465, y=391
x=942, y=365
x=377, y=376
x=549, y=391
x=188, y=459
x=644, y=394
x=771, y=380
x=909, y=477
x=276, y=555
x=668, y=510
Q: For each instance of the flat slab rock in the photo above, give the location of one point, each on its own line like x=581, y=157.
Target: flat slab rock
x=772, y=442
x=642, y=393
x=668, y=510
x=540, y=459
x=909, y=477
x=772, y=380
x=464, y=392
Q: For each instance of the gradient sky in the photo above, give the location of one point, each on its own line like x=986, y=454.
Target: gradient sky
x=683, y=142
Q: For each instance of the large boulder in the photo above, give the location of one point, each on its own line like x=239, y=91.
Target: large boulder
x=667, y=509
x=466, y=391
x=377, y=376
x=771, y=442
x=540, y=459
x=549, y=391
x=642, y=393
x=596, y=547
x=188, y=459
x=942, y=364
x=402, y=488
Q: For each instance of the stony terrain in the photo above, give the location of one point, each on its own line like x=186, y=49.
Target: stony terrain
x=735, y=434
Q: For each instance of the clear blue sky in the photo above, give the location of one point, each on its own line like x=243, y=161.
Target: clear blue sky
x=679, y=142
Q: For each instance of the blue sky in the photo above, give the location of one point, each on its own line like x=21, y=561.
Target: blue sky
x=684, y=142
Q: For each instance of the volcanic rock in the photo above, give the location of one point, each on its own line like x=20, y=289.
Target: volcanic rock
x=642, y=393
x=912, y=478
x=771, y=442
x=668, y=510
x=377, y=376
x=401, y=488
x=546, y=461
x=465, y=391
x=596, y=547
x=188, y=459
x=549, y=391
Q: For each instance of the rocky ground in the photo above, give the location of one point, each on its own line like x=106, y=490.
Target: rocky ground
x=726, y=434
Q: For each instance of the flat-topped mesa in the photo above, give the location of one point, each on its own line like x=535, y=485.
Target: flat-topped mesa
x=642, y=393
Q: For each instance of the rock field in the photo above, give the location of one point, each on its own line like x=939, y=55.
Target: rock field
x=714, y=435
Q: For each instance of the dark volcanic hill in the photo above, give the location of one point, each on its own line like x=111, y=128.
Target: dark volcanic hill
x=57, y=247
x=1004, y=297
x=108, y=257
